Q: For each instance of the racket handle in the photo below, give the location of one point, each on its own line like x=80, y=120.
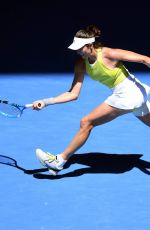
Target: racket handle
x=28, y=105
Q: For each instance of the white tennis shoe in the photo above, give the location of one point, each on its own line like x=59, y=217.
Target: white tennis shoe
x=50, y=161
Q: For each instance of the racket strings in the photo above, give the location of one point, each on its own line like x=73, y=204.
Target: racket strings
x=10, y=110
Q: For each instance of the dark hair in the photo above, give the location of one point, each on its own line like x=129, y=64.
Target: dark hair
x=89, y=32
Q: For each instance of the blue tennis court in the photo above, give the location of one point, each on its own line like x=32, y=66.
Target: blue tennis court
x=105, y=185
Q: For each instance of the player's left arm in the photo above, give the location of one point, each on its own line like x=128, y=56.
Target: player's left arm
x=125, y=55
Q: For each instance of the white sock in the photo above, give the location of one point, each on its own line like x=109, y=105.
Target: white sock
x=61, y=161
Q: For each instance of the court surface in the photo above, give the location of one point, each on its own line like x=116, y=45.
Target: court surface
x=105, y=185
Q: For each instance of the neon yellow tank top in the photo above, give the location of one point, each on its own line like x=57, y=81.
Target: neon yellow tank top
x=109, y=77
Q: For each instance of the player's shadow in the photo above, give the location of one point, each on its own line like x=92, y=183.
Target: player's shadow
x=101, y=163
x=92, y=162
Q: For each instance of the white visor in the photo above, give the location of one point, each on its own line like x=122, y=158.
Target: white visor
x=80, y=42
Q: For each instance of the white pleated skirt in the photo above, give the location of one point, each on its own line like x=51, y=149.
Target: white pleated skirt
x=131, y=94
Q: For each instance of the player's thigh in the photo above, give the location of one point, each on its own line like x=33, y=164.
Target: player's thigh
x=104, y=113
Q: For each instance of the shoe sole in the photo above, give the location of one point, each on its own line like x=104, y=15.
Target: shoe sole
x=52, y=172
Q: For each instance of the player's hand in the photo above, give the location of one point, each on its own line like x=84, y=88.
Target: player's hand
x=38, y=105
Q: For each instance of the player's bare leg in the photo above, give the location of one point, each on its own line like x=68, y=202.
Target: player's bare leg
x=102, y=114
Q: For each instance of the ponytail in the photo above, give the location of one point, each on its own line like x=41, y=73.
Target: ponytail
x=93, y=30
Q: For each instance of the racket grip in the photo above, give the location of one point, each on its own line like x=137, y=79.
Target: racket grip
x=28, y=105
x=31, y=105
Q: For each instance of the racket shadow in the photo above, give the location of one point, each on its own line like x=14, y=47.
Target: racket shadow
x=5, y=160
x=98, y=163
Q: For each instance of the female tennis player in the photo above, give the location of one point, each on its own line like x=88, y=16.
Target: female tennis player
x=104, y=65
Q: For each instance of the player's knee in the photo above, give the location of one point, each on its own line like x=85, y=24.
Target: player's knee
x=85, y=123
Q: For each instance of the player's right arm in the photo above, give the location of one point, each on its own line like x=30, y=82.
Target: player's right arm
x=79, y=72
x=72, y=94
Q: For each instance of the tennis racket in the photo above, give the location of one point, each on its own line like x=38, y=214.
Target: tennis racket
x=12, y=110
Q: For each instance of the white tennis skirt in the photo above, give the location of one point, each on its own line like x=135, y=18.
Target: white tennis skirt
x=131, y=94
